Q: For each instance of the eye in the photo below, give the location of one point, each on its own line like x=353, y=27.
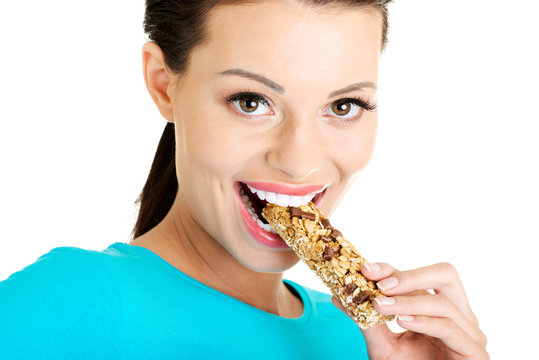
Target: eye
x=351, y=108
x=249, y=103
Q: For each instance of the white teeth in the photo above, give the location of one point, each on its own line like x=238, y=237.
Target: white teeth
x=307, y=199
x=296, y=201
x=261, y=194
x=275, y=198
x=270, y=197
x=282, y=199
x=268, y=228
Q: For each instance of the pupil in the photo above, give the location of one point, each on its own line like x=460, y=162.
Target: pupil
x=249, y=105
x=341, y=108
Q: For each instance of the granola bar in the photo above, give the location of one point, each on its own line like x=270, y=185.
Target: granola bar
x=336, y=262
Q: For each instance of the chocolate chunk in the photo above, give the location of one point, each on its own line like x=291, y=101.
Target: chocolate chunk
x=350, y=288
x=361, y=297
x=295, y=212
x=325, y=238
x=325, y=223
x=308, y=215
x=334, y=234
x=329, y=253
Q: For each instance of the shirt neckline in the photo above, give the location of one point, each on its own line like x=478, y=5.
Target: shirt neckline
x=148, y=254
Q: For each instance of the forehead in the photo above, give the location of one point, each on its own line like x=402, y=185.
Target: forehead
x=286, y=40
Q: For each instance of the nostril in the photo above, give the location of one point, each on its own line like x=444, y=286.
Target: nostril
x=292, y=167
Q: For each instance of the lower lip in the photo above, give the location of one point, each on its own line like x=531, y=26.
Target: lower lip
x=262, y=236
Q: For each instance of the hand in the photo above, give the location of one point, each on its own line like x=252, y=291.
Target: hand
x=439, y=326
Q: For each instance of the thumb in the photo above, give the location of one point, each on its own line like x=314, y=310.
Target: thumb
x=379, y=339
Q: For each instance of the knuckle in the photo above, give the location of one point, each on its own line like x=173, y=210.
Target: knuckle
x=450, y=327
x=450, y=270
x=386, y=268
x=448, y=267
x=474, y=320
x=441, y=300
x=483, y=339
x=407, y=276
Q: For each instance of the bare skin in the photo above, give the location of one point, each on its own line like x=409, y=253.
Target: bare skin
x=203, y=235
x=294, y=139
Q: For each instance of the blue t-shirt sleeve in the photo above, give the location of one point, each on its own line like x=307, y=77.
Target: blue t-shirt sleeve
x=63, y=306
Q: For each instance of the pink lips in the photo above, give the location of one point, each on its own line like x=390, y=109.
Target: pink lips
x=285, y=189
x=260, y=235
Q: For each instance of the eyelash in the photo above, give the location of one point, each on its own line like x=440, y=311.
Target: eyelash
x=247, y=95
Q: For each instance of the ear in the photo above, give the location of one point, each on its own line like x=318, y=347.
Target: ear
x=157, y=78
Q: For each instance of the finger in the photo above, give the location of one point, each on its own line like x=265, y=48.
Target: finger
x=377, y=271
x=428, y=305
x=442, y=277
x=380, y=271
x=447, y=331
x=380, y=341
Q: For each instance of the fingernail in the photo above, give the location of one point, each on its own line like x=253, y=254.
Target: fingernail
x=388, y=283
x=372, y=267
x=405, y=317
x=384, y=300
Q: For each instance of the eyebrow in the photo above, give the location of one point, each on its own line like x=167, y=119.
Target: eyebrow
x=279, y=89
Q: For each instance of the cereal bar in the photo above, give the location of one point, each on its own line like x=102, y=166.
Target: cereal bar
x=336, y=262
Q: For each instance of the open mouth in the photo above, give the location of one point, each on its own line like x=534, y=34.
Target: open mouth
x=255, y=200
x=254, y=206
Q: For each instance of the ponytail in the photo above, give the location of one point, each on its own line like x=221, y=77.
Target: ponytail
x=160, y=189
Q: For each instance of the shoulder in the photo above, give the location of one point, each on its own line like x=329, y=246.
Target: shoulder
x=59, y=303
x=62, y=273
x=65, y=261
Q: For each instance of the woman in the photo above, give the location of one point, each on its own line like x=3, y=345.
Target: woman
x=276, y=96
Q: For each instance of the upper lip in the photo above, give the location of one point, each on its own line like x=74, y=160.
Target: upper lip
x=286, y=189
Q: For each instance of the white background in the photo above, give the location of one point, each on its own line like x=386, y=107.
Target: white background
x=453, y=178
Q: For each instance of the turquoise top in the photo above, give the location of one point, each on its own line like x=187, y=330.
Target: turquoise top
x=126, y=302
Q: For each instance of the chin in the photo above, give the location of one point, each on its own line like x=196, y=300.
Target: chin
x=273, y=266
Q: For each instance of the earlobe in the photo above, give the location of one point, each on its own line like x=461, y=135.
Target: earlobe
x=157, y=78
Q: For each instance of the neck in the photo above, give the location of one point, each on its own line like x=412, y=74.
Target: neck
x=182, y=242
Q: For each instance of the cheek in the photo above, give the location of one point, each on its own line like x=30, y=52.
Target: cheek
x=354, y=153
x=208, y=144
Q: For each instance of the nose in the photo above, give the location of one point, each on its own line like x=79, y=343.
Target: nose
x=297, y=150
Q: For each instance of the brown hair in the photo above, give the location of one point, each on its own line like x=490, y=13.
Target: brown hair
x=177, y=26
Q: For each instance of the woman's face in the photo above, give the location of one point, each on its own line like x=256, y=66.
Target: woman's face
x=287, y=134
